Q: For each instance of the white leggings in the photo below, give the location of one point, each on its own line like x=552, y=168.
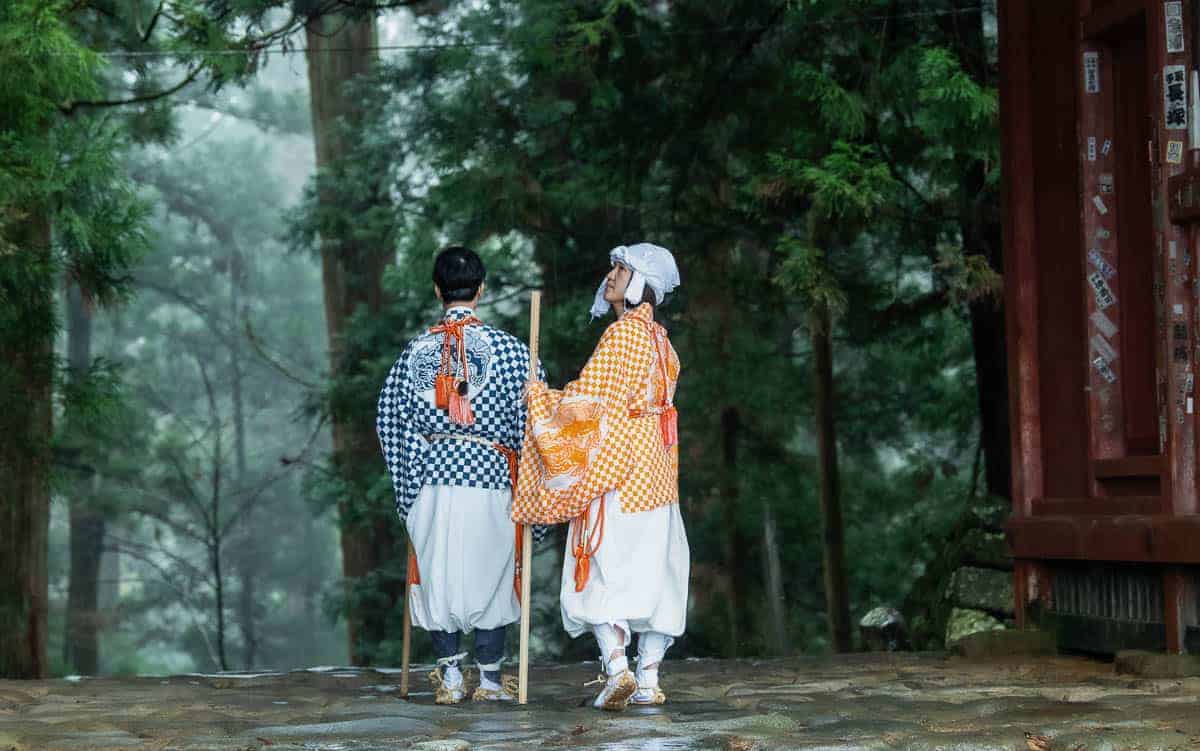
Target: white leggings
x=652, y=646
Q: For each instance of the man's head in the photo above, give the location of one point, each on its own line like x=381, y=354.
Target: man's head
x=458, y=275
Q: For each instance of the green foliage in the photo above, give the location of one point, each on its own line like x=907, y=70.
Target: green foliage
x=789, y=157
x=805, y=273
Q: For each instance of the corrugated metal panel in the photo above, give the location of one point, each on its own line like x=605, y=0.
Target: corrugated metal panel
x=1128, y=593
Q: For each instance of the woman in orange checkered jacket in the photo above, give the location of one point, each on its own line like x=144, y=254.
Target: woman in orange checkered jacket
x=603, y=454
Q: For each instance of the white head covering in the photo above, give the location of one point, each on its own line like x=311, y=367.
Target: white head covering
x=652, y=266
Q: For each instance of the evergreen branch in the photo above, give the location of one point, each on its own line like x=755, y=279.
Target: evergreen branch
x=908, y=310
x=153, y=21
x=247, y=504
x=184, y=597
x=259, y=349
x=187, y=80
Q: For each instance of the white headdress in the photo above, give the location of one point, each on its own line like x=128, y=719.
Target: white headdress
x=652, y=266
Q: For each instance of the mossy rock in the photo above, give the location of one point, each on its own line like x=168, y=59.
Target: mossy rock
x=984, y=589
x=964, y=622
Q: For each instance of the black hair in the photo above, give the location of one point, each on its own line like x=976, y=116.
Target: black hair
x=458, y=272
x=648, y=296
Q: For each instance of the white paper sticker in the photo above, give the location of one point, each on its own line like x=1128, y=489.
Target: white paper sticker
x=1091, y=72
x=1174, y=16
x=1106, y=182
x=1091, y=148
x=1103, y=324
x=1099, y=203
x=1175, y=97
x=1101, y=366
x=1174, y=152
x=1104, y=295
x=1189, y=405
x=1103, y=266
x=1178, y=310
x=1101, y=347
x=1172, y=248
x=1107, y=147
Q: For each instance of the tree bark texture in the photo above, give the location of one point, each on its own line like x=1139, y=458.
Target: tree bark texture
x=81, y=646
x=339, y=50
x=980, y=225
x=730, y=491
x=26, y=383
x=837, y=598
x=776, y=605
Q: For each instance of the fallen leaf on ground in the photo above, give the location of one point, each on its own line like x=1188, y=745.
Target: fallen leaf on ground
x=1037, y=742
x=579, y=730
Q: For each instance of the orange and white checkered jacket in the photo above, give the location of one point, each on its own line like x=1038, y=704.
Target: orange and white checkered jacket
x=601, y=432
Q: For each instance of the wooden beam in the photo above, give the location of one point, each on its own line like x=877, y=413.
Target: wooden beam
x=1135, y=538
x=1130, y=466
x=1179, y=606
x=1108, y=19
x=1020, y=257
x=1115, y=506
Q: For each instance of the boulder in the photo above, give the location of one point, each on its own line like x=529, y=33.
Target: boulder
x=982, y=589
x=883, y=630
x=963, y=622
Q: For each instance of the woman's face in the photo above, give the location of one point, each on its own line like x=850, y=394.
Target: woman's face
x=616, y=283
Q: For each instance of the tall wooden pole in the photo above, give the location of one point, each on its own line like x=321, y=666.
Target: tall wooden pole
x=535, y=318
x=406, y=648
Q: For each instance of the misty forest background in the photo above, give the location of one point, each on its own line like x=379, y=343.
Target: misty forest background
x=217, y=226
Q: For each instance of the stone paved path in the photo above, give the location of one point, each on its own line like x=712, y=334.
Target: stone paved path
x=916, y=702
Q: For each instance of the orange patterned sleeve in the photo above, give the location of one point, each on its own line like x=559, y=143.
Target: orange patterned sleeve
x=569, y=454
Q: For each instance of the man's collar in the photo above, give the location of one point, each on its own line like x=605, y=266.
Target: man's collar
x=457, y=313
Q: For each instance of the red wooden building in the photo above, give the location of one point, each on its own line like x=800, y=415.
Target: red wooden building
x=1103, y=318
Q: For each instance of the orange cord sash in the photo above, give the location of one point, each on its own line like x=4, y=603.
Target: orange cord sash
x=446, y=387
x=586, y=539
x=585, y=544
x=511, y=456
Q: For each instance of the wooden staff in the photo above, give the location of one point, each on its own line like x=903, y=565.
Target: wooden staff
x=406, y=650
x=535, y=318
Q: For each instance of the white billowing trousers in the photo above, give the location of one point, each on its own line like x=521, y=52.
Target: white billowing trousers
x=464, y=541
x=638, y=580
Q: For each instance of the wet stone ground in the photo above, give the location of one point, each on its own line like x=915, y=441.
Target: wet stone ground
x=917, y=702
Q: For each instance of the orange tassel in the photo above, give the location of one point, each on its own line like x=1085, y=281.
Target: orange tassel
x=582, y=569
x=460, y=409
x=414, y=573
x=443, y=386
x=668, y=423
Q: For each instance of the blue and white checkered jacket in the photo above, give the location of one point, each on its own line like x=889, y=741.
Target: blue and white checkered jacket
x=407, y=415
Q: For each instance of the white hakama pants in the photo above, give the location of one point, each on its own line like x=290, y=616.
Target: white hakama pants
x=639, y=576
x=464, y=541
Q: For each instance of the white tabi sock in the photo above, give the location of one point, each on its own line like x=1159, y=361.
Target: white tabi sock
x=485, y=676
x=615, y=666
x=452, y=676
x=647, y=678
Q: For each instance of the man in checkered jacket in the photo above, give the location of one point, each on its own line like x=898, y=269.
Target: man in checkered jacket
x=451, y=472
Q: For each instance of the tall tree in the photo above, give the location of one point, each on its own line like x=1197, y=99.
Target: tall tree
x=87, y=521
x=56, y=171
x=341, y=49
